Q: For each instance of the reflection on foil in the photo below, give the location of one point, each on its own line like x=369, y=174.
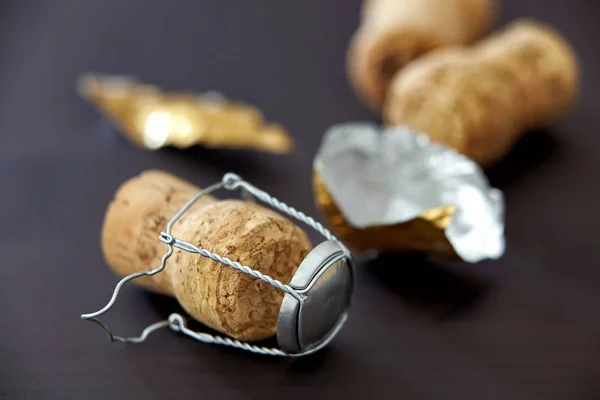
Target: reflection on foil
x=152, y=118
x=390, y=189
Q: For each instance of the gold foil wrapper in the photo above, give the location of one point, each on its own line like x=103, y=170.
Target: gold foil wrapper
x=152, y=118
x=424, y=233
x=393, y=190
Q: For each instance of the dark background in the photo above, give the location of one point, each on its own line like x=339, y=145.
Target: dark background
x=524, y=327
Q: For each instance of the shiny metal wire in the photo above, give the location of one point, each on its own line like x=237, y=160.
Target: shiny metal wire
x=175, y=321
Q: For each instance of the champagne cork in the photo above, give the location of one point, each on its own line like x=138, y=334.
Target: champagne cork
x=392, y=33
x=480, y=99
x=214, y=294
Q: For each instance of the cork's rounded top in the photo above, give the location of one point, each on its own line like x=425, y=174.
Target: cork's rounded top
x=324, y=281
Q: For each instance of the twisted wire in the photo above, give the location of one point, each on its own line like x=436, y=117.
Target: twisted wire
x=189, y=247
x=289, y=210
x=177, y=324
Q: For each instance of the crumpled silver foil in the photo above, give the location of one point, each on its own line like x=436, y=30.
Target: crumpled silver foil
x=384, y=177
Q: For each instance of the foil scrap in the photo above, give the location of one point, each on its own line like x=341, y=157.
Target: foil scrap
x=152, y=118
x=392, y=189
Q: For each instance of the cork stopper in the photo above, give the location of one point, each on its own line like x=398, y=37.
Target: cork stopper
x=480, y=99
x=395, y=32
x=214, y=294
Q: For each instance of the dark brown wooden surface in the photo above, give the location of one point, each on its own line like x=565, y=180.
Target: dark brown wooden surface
x=524, y=327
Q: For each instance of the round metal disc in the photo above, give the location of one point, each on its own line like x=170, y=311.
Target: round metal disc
x=325, y=281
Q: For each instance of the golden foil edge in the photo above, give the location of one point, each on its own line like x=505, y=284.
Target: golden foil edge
x=425, y=233
x=152, y=118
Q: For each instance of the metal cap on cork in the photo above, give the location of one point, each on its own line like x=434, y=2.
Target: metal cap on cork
x=324, y=281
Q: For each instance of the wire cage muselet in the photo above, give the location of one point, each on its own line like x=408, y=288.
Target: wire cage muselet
x=316, y=301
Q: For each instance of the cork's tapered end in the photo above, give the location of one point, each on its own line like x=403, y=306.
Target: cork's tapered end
x=480, y=99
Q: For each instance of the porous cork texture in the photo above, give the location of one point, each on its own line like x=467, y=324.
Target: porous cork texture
x=392, y=33
x=214, y=294
x=480, y=99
